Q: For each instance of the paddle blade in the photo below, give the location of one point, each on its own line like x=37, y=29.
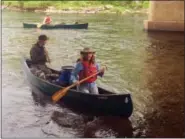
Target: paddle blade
x=39, y=25
x=58, y=95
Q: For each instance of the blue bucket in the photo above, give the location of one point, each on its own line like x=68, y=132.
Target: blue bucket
x=65, y=75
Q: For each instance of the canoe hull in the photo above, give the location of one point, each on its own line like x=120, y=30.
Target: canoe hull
x=105, y=104
x=57, y=26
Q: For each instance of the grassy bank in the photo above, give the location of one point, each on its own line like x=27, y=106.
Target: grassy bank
x=107, y=6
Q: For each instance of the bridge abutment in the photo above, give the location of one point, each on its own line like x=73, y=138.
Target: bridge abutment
x=165, y=16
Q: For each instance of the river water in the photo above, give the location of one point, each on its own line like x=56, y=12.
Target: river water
x=150, y=66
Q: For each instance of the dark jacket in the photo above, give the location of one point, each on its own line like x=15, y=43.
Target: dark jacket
x=37, y=54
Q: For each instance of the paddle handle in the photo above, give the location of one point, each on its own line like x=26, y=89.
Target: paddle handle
x=81, y=81
x=39, y=25
x=62, y=92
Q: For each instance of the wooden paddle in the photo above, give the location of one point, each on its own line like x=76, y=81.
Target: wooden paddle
x=62, y=92
x=39, y=25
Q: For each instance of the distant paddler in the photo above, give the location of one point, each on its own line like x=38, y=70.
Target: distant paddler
x=47, y=21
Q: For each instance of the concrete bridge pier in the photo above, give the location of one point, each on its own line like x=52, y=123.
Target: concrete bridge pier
x=165, y=16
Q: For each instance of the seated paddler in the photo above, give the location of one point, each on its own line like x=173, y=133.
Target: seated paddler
x=85, y=67
x=39, y=55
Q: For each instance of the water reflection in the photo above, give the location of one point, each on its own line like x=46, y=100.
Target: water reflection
x=85, y=125
x=99, y=127
x=109, y=127
x=164, y=77
x=39, y=99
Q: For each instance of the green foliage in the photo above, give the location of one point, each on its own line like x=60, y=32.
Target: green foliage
x=117, y=5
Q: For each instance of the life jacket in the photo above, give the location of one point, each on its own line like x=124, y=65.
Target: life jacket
x=48, y=20
x=88, y=69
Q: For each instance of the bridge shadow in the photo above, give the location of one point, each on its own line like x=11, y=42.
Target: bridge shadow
x=164, y=76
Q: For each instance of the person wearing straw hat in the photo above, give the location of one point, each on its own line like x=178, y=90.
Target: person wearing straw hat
x=85, y=67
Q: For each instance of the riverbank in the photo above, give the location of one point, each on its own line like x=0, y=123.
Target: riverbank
x=83, y=11
x=80, y=7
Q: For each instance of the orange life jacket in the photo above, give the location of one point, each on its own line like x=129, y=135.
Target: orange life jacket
x=88, y=69
x=48, y=20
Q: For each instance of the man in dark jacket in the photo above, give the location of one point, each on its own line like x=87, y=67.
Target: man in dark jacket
x=39, y=55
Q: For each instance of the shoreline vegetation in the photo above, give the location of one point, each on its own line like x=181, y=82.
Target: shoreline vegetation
x=85, y=7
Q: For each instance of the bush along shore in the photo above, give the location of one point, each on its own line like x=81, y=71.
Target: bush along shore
x=120, y=7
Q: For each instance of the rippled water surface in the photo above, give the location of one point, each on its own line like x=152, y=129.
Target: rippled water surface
x=150, y=66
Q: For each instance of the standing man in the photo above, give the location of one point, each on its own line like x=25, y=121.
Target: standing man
x=39, y=55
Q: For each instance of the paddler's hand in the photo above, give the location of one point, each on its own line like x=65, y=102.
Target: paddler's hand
x=103, y=69
x=77, y=83
x=49, y=60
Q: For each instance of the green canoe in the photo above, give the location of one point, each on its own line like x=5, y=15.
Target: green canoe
x=106, y=103
x=56, y=26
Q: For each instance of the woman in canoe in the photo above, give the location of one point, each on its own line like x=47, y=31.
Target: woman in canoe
x=47, y=20
x=85, y=67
